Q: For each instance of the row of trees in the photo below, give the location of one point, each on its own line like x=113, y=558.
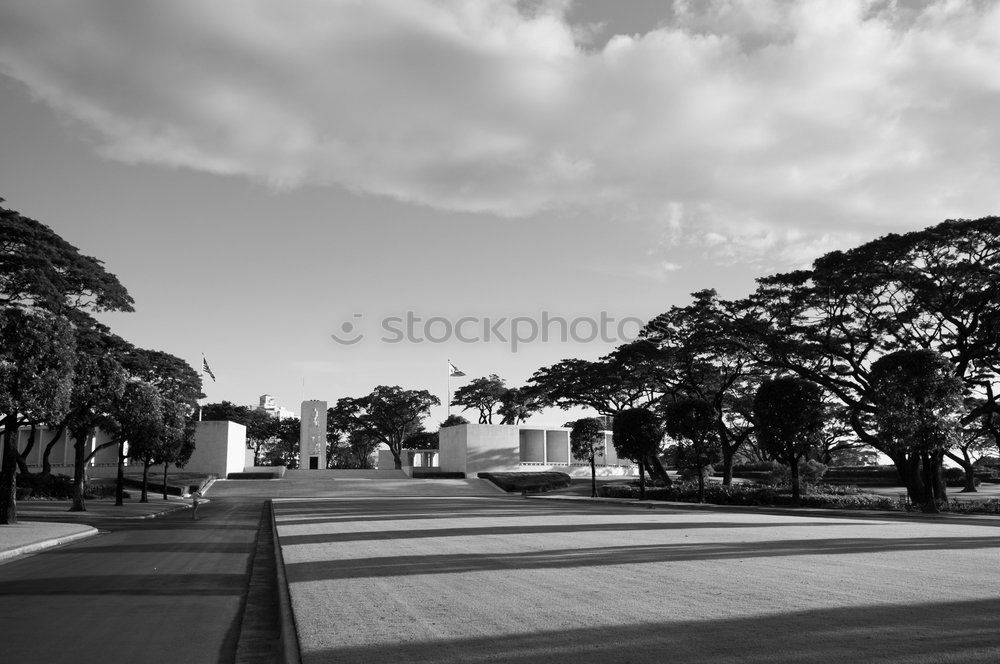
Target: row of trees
x=62, y=371
x=898, y=339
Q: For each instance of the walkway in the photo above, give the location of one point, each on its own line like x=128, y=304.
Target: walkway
x=159, y=590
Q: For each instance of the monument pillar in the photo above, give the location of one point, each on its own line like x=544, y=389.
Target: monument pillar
x=312, y=436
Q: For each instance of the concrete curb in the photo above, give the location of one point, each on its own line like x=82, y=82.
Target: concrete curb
x=289, y=633
x=777, y=511
x=35, y=547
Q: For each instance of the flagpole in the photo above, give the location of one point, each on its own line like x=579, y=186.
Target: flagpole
x=448, y=405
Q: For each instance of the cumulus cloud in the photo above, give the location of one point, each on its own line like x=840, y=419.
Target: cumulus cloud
x=742, y=125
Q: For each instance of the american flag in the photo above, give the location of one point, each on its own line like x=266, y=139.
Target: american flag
x=206, y=369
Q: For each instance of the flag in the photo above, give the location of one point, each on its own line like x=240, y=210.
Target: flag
x=206, y=369
x=453, y=370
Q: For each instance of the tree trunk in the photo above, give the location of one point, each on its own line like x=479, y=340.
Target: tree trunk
x=642, y=480
x=120, y=481
x=593, y=476
x=925, y=472
x=79, y=469
x=144, y=496
x=22, y=457
x=657, y=470
x=701, y=485
x=909, y=468
x=727, y=465
x=165, y=464
x=796, y=492
x=46, y=463
x=8, y=471
x=968, y=468
x=938, y=481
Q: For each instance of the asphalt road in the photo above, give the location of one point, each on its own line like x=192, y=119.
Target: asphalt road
x=163, y=590
x=467, y=579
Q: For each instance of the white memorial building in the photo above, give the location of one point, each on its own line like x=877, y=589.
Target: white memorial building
x=477, y=448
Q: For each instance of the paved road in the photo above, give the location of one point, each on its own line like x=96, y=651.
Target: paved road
x=165, y=590
x=470, y=579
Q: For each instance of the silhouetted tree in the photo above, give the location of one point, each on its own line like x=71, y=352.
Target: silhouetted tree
x=691, y=422
x=587, y=442
x=790, y=415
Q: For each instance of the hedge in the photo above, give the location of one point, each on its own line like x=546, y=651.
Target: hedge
x=531, y=482
x=753, y=494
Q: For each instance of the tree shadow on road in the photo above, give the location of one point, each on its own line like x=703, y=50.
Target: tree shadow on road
x=540, y=529
x=931, y=633
x=350, y=568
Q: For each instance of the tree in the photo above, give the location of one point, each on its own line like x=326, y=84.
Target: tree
x=136, y=421
x=388, y=414
x=586, y=441
x=838, y=444
x=975, y=441
x=99, y=381
x=482, y=394
x=45, y=284
x=637, y=436
x=918, y=408
x=789, y=414
x=517, y=404
x=177, y=386
x=621, y=380
x=285, y=448
x=453, y=421
x=149, y=446
x=421, y=440
x=40, y=270
x=225, y=411
x=607, y=386
x=261, y=427
x=692, y=423
x=701, y=356
x=935, y=289
x=37, y=353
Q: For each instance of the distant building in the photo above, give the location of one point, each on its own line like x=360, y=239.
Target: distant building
x=476, y=448
x=268, y=405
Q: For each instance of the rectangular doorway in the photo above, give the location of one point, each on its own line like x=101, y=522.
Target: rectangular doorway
x=313, y=463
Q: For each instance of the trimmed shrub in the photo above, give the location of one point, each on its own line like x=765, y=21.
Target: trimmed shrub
x=756, y=494
x=437, y=475
x=530, y=482
x=991, y=506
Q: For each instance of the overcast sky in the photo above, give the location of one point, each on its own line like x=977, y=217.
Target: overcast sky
x=258, y=173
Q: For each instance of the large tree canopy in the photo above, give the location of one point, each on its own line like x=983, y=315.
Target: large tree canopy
x=389, y=414
x=482, y=394
x=935, y=289
x=702, y=357
x=39, y=269
x=37, y=353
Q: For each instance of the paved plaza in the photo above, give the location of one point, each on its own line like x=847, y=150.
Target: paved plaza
x=488, y=578
x=455, y=571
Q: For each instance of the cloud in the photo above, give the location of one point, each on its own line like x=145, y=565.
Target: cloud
x=756, y=123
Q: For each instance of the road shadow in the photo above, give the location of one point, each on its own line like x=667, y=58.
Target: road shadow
x=929, y=633
x=385, y=566
x=541, y=529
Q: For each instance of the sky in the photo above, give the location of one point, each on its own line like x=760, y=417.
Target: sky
x=264, y=175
